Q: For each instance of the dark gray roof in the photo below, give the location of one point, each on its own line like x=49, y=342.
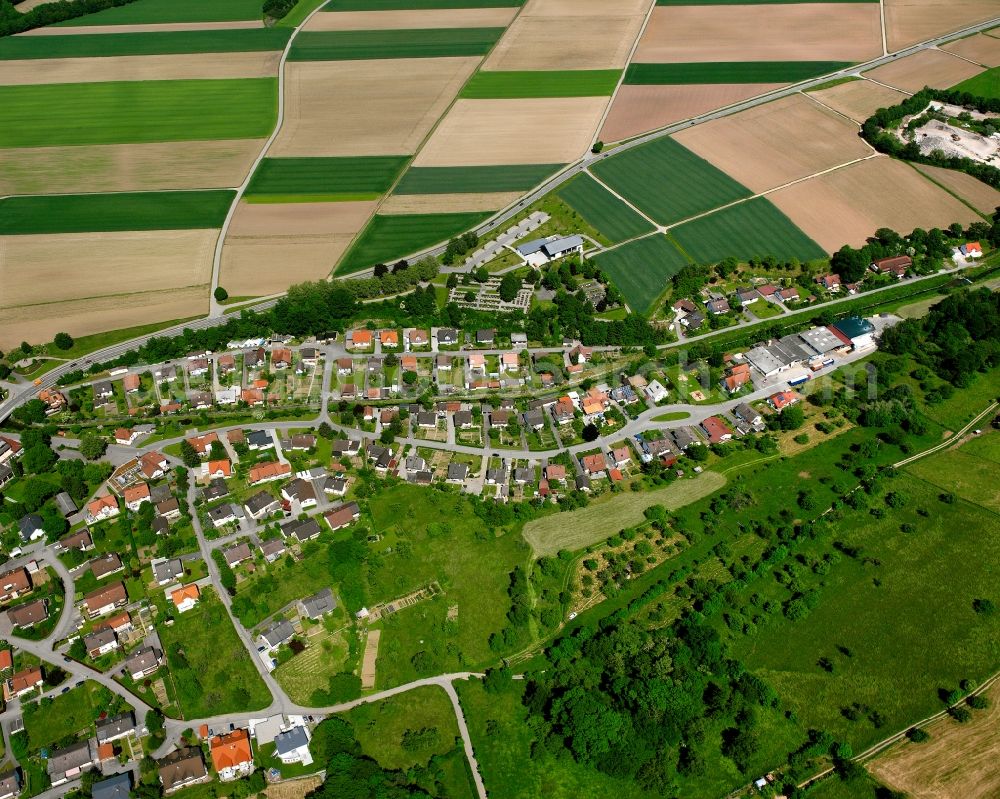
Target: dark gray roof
x=259, y=438
x=684, y=437
x=447, y=335
x=114, y=727
x=458, y=471
x=319, y=603
x=259, y=501
x=522, y=475
x=66, y=504
x=76, y=756
x=160, y=493
x=289, y=741
x=142, y=659
x=168, y=569
x=745, y=412
x=217, y=489
x=98, y=638
x=29, y=524
x=582, y=481
x=278, y=633
x=116, y=787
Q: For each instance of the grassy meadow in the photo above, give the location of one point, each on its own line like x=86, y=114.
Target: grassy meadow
x=361, y=175
x=565, y=83
x=363, y=45
x=642, y=268
x=602, y=209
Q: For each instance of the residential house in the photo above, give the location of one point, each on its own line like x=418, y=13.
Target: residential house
x=101, y=508
x=500, y=418
x=427, y=420
x=118, y=786
x=896, y=266
x=275, y=635
x=10, y=784
x=103, y=391
x=80, y=540
x=104, y=600
x=582, y=483
x=345, y=446
x=23, y=683
x=790, y=294
x=115, y=728
x=165, y=373
x=100, y=642
x=143, y=662
x=301, y=491
x=255, y=359
x=782, y=400
x=260, y=505
x=389, y=339
x=496, y=476
x=185, y=597
x=272, y=549
x=972, y=249
x=486, y=336
x=310, y=356
x=519, y=341
x=232, y=755
x=167, y=570
x=716, y=429
x=54, y=400
x=829, y=282
x=6, y=474
x=236, y=436
x=203, y=444
x=135, y=495
x=656, y=391
x=746, y=296
x=318, y=605
x=621, y=456
x=555, y=471
x=226, y=364
x=105, y=566
x=302, y=441
x=417, y=338
x=443, y=363
x=343, y=516
x=153, y=465
x=359, y=339
x=181, y=768
x=563, y=410
x=124, y=437
x=594, y=465
x=463, y=419
x=252, y=396
x=292, y=746
x=693, y=321
x=224, y=514
x=523, y=476
x=335, y=486
x=29, y=614
x=534, y=419
x=235, y=555
x=219, y=469
x=259, y=440
x=197, y=367
x=281, y=359
x=457, y=472
x=447, y=337
x=30, y=527
x=736, y=377
x=301, y=530
x=169, y=509
x=266, y=472
x=745, y=413
x=718, y=307
x=684, y=437
x=67, y=764
x=345, y=366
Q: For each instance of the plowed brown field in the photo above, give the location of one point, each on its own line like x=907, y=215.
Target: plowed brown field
x=927, y=68
x=412, y=20
x=858, y=99
x=910, y=21
x=980, y=48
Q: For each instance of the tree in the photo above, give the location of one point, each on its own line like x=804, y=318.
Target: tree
x=38, y=458
x=591, y=433
x=598, y=146
x=792, y=417
x=78, y=649
x=221, y=295
x=510, y=285
x=63, y=341
x=92, y=446
x=189, y=454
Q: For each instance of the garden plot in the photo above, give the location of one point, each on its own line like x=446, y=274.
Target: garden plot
x=858, y=99
x=976, y=193
x=927, y=68
x=980, y=48
x=378, y=107
x=910, y=21
x=411, y=19
x=525, y=131
x=601, y=35
x=780, y=32
x=446, y=203
x=639, y=109
x=775, y=143
x=850, y=204
x=306, y=238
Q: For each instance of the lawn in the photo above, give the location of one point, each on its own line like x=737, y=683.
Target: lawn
x=985, y=84
x=306, y=177
x=581, y=528
x=671, y=417
x=209, y=665
x=602, y=209
x=78, y=213
x=87, y=344
x=146, y=11
x=642, y=268
x=426, y=43
x=403, y=5
x=730, y=72
x=473, y=179
x=388, y=238
x=753, y=228
x=136, y=111
x=66, y=716
x=558, y=83
x=668, y=182
x=119, y=44
x=327, y=655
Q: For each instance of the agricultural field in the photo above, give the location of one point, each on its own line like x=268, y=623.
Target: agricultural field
x=599, y=207
x=640, y=269
x=730, y=72
x=979, y=195
x=667, y=181
x=411, y=19
x=980, y=47
x=315, y=179
x=907, y=23
x=169, y=11
x=567, y=83
x=473, y=179
x=376, y=44
x=857, y=99
x=407, y=204
x=934, y=68
x=406, y=5
x=109, y=45
x=745, y=230
x=986, y=84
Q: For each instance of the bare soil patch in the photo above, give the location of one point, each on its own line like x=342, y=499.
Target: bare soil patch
x=792, y=32
x=370, y=657
x=527, y=131
x=975, y=192
x=850, y=204
x=293, y=789
x=600, y=35
x=927, y=68
x=858, y=99
x=412, y=20
x=69, y=266
x=446, y=203
x=140, y=67
x=379, y=107
x=910, y=21
x=39, y=323
x=775, y=143
x=127, y=167
x=980, y=48
x=639, y=109
x=958, y=762
x=146, y=27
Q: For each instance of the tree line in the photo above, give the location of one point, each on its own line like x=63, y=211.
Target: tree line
x=13, y=21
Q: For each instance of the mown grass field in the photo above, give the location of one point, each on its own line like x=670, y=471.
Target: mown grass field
x=566, y=83
x=668, y=182
x=427, y=43
x=328, y=654
x=119, y=112
x=473, y=179
x=388, y=238
x=80, y=213
x=749, y=229
x=602, y=209
x=965, y=471
x=730, y=72
x=67, y=715
x=149, y=11
x=120, y=44
x=642, y=268
x=581, y=528
x=985, y=84
x=403, y=5
x=326, y=176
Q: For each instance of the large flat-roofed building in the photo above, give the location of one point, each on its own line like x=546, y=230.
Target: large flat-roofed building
x=821, y=340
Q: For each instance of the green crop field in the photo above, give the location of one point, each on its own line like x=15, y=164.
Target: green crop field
x=405, y=5
x=642, y=268
x=668, y=182
x=746, y=2
x=388, y=238
x=473, y=179
x=147, y=11
x=568, y=83
x=730, y=72
x=985, y=84
x=753, y=228
x=303, y=178
x=602, y=209
x=110, y=44
x=119, y=112
x=429, y=43
x=80, y=213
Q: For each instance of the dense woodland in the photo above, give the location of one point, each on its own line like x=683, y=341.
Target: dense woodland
x=13, y=21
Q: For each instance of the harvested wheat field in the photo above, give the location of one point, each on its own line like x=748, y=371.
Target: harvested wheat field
x=412, y=20
x=781, y=32
x=958, y=762
x=602, y=35
x=380, y=107
x=127, y=167
x=306, y=239
x=640, y=109
x=974, y=192
x=980, y=48
x=850, y=204
x=927, y=68
x=82, y=317
x=55, y=267
x=446, y=203
x=858, y=99
x=531, y=131
x=775, y=143
x=141, y=67
x=146, y=27
x=910, y=21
